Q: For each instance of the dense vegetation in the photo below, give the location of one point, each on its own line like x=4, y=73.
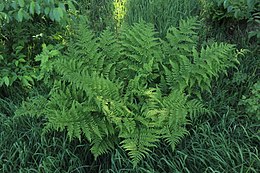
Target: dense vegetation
x=129, y=86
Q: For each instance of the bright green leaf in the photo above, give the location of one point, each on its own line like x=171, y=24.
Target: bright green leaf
x=37, y=8
x=20, y=15
x=6, y=81
x=28, y=78
x=46, y=10
x=57, y=13
x=21, y=3
x=32, y=7
x=25, y=82
x=2, y=6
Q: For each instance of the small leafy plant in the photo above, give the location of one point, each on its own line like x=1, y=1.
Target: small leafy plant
x=25, y=25
x=236, y=9
x=131, y=89
x=252, y=102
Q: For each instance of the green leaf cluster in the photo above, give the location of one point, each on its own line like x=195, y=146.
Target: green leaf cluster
x=236, y=9
x=22, y=10
x=25, y=25
x=131, y=89
x=251, y=102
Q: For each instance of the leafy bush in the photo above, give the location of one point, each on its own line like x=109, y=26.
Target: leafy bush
x=237, y=9
x=21, y=39
x=252, y=101
x=26, y=9
x=98, y=12
x=20, y=43
x=233, y=15
x=131, y=89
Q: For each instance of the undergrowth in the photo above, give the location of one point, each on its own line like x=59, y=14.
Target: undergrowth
x=227, y=141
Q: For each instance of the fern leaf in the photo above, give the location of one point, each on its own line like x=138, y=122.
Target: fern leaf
x=138, y=144
x=102, y=145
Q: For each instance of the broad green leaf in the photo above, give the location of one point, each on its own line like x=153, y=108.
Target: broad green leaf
x=46, y=10
x=62, y=6
x=22, y=59
x=21, y=3
x=20, y=15
x=2, y=6
x=57, y=13
x=14, y=5
x=51, y=15
x=71, y=6
x=16, y=63
x=225, y=4
x=25, y=82
x=32, y=7
x=28, y=78
x=37, y=8
x=6, y=81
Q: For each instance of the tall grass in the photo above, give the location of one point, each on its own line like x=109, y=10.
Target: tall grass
x=162, y=13
x=98, y=12
x=24, y=149
x=229, y=145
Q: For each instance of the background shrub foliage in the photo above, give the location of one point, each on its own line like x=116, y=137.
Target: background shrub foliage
x=110, y=83
x=25, y=26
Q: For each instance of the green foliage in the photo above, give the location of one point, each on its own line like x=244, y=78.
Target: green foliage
x=162, y=13
x=226, y=143
x=233, y=13
x=238, y=9
x=125, y=89
x=252, y=101
x=21, y=10
x=188, y=68
x=119, y=11
x=27, y=25
x=18, y=47
x=23, y=149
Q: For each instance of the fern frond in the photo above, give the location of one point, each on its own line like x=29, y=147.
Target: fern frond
x=112, y=51
x=173, y=135
x=140, y=46
x=175, y=103
x=102, y=146
x=196, y=107
x=138, y=144
x=181, y=40
x=33, y=107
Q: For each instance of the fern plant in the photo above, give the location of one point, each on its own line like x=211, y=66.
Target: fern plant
x=131, y=89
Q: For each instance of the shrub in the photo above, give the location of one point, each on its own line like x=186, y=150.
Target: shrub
x=21, y=10
x=25, y=26
x=98, y=12
x=131, y=89
x=236, y=9
x=251, y=102
x=233, y=16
